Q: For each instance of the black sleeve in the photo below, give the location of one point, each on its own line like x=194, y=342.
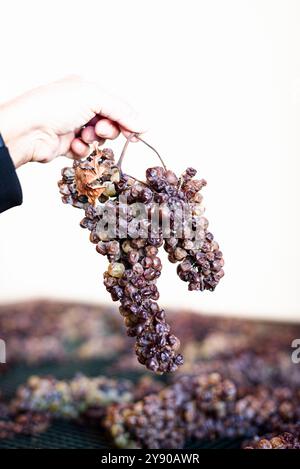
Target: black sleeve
x=10, y=188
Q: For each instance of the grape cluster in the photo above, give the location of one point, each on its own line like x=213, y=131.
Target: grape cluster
x=169, y=418
x=201, y=407
x=98, y=186
x=288, y=439
x=81, y=398
x=188, y=240
x=71, y=399
x=14, y=423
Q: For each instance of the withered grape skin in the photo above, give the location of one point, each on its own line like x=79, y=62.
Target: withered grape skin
x=72, y=398
x=97, y=185
x=287, y=439
x=206, y=406
x=137, y=292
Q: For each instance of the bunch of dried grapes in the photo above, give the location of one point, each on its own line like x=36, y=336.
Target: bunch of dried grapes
x=71, y=399
x=203, y=407
x=81, y=397
x=19, y=422
x=110, y=198
x=194, y=406
x=287, y=439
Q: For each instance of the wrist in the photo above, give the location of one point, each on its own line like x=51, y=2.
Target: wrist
x=4, y=124
x=13, y=123
x=14, y=126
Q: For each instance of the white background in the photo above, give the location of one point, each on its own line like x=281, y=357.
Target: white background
x=220, y=84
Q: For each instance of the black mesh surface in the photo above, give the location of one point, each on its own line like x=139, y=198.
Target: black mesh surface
x=67, y=435
x=60, y=435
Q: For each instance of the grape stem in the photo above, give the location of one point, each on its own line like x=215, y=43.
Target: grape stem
x=128, y=140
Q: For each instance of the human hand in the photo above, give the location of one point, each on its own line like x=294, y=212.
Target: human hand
x=46, y=122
